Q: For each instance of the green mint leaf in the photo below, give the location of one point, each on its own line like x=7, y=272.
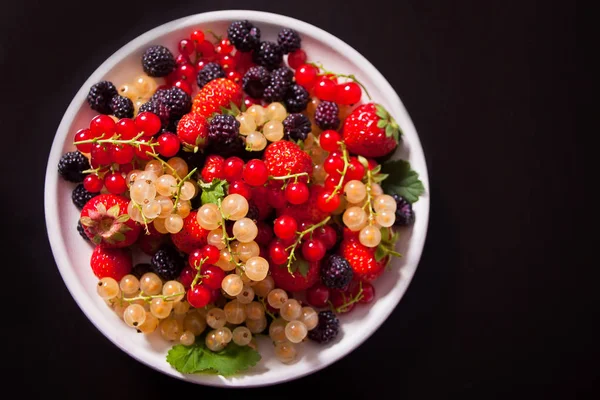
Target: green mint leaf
x=212, y=191
x=402, y=180
x=381, y=112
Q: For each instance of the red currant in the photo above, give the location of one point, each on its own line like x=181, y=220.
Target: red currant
x=285, y=227
x=213, y=276
x=356, y=171
x=348, y=93
x=184, y=85
x=126, y=168
x=201, y=63
x=195, y=258
x=297, y=192
x=228, y=62
x=326, y=202
x=277, y=252
x=199, y=296
x=265, y=233
x=233, y=169
x=235, y=77
x=306, y=75
x=148, y=123
x=186, y=72
x=102, y=126
x=276, y=198
x=168, y=144
x=313, y=250
x=141, y=151
x=242, y=188
x=333, y=165
x=329, y=140
x=340, y=300
x=122, y=153
x=115, y=183
x=318, y=295
x=182, y=59
x=186, y=277
x=92, y=183
x=126, y=129
x=197, y=36
x=296, y=58
x=255, y=173
x=325, y=88
x=372, y=163
x=101, y=154
x=331, y=181
x=211, y=253
x=81, y=135
x=224, y=47
x=327, y=235
x=368, y=291
x=187, y=46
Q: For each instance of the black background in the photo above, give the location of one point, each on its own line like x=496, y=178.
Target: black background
x=490, y=87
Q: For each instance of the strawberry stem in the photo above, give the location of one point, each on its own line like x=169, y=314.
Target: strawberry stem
x=292, y=247
x=346, y=159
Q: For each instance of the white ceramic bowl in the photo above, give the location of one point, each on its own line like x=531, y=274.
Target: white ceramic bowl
x=72, y=254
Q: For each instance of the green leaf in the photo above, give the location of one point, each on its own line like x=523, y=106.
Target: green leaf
x=213, y=191
x=122, y=218
x=118, y=237
x=376, y=170
x=363, y=161
x=97, y=239
x=87, y=221
x=197, y=358
x=380, y=253
x=380, y=177
x=381, y=123
x=113, y=211
x=381, y=112
x=402, y=180
x=101, y=208
x=302, y=266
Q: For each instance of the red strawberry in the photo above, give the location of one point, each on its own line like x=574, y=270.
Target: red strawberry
x=286, y=158
x=192, y=236
x=112, y=263
x=362, y=260
x=307, y=211
x=295, y=282
x=192, y=130
x=106, y=222
x=215, y=94
x=213, y=168
x=370, y=131
x=149, y=243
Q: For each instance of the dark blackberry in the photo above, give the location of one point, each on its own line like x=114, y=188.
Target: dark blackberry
x=326, y=115
x=82, y=231
x=269, y=55
x=296, y=99
x=223, y=129
x=253, y=212
x=72, y=165
x=121, y=107
x=243, y=35
x=158, y=61
x=281, y=80
x=327, y=328
x=289, y=40
x=285, y=74
x=80, y=196
x=100, y=95
x=234, y=148
x=193, y=160
x=158, y=108
x=404, y=211
x=209, y=72
x=167, y=263
x=140, y=269
x=336, y=272
x=255, y=80
x=178, y=102
x=296, y=126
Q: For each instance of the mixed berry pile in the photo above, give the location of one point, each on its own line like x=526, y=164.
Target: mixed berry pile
x=257, y=185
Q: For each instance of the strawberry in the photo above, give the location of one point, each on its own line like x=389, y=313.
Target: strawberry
x=286, y=158
x=370, y=131
x=297, y=281
x=150, y=242
x=220, y=92
x=307, y=211
x=112, y=263
x=106, y=222
x=192, y=236
x=213, y=168
x=362, y=260
x=192, y=130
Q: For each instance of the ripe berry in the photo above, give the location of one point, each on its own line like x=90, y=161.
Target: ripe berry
x=368, y=292
x=168, y=144
x=255, y=173
x=184, y=72
x=211, y=253
x=297, y=192
x=277, y=253
x=327, y=235
x=224, y=47
x=122, y=153
x=206, y=50
x=313, y=250
x=126, y=129
x=213, y=276
x=306, y=75
x=195, y=258
x=242, y=188
x=285, y=227
x=296, y=58
x=81, y=135
x=348, y=93
x=318, y=295
x=183, y=85
x=329, y=140
x=115, y=183
x=236, y=77
x=141, y=151
x=340, y=300
x=187, y=46
x=187, y=277
x=228, y=62
x=326, y=202
x=277, y=198
x=333, y=165
x=182, y=59
x=233, y=168
x=331, y=181
x=148, y=123
x=197, y=36
x=92, y=183
x=199, y=296
x=325, y=88
x=100, y=154
x=249, y=101
x=356, y=171
x=102, y=126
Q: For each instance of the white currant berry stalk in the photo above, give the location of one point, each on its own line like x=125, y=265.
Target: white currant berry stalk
x=148, y=299
x=228, y=239
x=292, y=248
x=264, y=303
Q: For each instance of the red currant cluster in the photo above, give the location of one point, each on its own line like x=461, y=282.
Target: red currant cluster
x=342, y=301
x=326, y=86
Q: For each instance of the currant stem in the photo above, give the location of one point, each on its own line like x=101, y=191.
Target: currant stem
x=282, y=178
x=368, y=207
x=165, y=164
x=355, y=299
x=179, y=185
x=139, y=207
x=292, y=247
x=149, y=298
x=214, y=35
x=269, y=313
x=346, y=159
x=227, y=238
x=134, y=141
x=198, y=274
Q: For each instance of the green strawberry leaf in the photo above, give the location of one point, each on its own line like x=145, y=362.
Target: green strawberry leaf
x=118, y=237
x=122, y=218
x=363, y=161
x=87, y=221
x=213, y=191
x=380, y=253
x=381, y=123
x=113, y=211
x=381, y=112
x=402, y=180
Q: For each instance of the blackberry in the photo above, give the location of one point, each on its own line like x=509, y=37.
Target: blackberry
x=223, y=129
x=121, y=107
x=140, y=269
x=72, y=165
x=158, y=61
x=296, y=99
x=253, y=212
x=158, y=108
x=255, y=80
x=209, y=72
x=82, y=231
x=326, y=115
x=100, y=95
x=80, y=196
x=178, y=102
x=296, y=126
x=167, y=263
x=243, y=35
x=193, y=160
x=285, y=74
x=336, y=272
x=289, y=40
x=269, y=55
x=327, y=328
x=404, y=211
x=281, y=80
x=234, y=148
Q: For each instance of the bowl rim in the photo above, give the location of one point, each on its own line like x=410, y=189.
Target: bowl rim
x=58, y=244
